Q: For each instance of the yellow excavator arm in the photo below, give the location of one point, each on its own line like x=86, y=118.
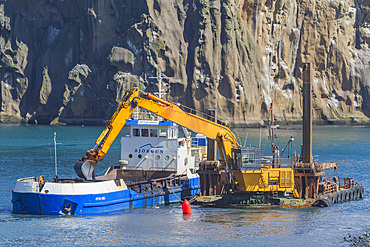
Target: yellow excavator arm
x=225, y=138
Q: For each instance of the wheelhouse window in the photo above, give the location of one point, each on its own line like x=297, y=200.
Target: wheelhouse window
x=144, y=132
x=153, y=133
x=172, y=133
x=135, y=132
x=249, y=158
x=162, y=133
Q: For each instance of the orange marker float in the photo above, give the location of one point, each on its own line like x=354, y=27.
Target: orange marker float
x=186, y=207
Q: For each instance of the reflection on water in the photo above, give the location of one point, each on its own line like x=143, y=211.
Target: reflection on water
x=284, y=222
x=27, y=153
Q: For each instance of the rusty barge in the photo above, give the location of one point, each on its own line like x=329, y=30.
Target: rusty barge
x=256, y=183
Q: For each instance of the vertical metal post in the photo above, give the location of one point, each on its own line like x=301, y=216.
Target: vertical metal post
x=55, y=153
x=307, y=113
x=211, y=143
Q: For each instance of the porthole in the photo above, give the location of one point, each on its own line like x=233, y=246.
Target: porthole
x=139, y=156
x=130, y=156
x=157, y=157
x=167, y=157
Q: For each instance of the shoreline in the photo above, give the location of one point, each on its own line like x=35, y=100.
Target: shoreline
x=11, y=120
x=286, y=124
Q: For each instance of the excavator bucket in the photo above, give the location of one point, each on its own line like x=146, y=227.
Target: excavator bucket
x=85, y=170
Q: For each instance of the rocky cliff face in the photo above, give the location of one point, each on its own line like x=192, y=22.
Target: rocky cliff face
x=72, y=63
x=333, y=35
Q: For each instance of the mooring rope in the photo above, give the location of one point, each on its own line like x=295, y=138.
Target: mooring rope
x=175, y=194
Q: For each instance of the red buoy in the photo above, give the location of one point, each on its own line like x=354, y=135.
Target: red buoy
x=186, y=207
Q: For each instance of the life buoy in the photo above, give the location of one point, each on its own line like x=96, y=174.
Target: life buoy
x=186, y=161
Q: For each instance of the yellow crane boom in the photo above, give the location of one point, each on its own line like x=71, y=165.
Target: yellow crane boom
x=225, y=138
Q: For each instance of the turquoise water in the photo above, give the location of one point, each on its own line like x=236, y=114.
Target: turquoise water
x=29, y=151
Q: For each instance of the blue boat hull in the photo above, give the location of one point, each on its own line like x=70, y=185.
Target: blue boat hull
x=94, y=204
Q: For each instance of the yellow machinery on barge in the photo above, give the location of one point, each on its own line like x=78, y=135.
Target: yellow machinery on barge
x=297, y=184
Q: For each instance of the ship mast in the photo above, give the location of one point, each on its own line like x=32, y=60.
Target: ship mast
x=160, y=92
x=159, y=78
x=55, y=153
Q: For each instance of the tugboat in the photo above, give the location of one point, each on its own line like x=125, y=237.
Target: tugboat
x=156, y=167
